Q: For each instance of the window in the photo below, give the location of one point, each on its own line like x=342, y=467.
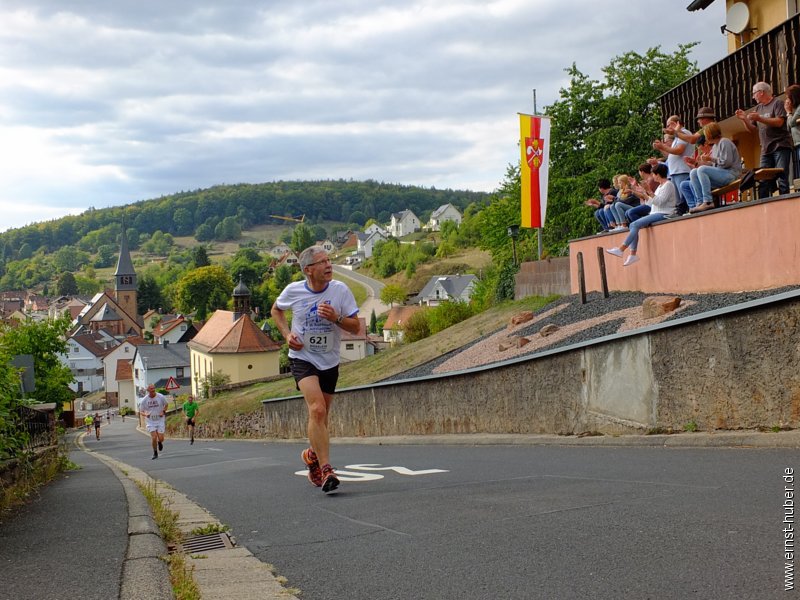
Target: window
x=179, y=372
x=349, y=346
x=127, y=349
x=75, y=349
x=136, y=373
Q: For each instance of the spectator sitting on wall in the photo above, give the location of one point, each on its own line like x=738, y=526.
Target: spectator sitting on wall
x=662, y=205
x=603, y=206
x=715, y=169
x=675, y=153
x=625, y=201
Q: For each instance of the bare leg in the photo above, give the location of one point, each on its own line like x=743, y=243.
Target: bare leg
x=319, y=404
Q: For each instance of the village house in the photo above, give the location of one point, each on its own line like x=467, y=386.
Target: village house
x=84, y=358
x=367, y=241
x=403, y=223
x=446, y=212
x=443, y=288
x=395, y=322
x=157, y=363
x=173, y=329
x=355, y=346
x=230, y=343
x=123, y=353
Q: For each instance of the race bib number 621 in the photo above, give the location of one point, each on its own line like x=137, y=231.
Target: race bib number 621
x=319, y=342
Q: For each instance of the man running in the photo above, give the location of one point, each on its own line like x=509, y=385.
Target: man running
x=190, y=409
x=88, y=420
x=154, y=408
x=320, y=307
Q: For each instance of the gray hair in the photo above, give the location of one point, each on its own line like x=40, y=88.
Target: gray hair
x=307, y=256
x=763, y=86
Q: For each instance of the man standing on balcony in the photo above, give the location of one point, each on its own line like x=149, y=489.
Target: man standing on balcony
x=769, y=118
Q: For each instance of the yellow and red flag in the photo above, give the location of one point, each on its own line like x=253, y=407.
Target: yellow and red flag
x=534, y=144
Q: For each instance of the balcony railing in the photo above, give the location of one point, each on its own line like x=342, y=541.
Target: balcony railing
x=727, y=85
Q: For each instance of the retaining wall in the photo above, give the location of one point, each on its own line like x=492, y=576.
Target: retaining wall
x=543, y=278
x=736, y=368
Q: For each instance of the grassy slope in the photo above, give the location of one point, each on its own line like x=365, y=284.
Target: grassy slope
x=377, y=367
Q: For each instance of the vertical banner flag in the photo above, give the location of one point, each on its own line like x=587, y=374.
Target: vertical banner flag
x=534, y=144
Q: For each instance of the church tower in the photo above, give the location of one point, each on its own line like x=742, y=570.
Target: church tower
x=125, y=279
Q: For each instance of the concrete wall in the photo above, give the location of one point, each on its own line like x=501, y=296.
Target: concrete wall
x=745, y=246
x=543, y=278
x=738, y=369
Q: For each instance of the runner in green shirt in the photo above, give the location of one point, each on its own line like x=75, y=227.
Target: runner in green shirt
x=88, y=420
x=190, y=409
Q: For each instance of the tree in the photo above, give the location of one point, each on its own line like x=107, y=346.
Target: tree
x=204, y=233
x=601, y=128
x=393, y=293
x=45, y=341
x=302, y=237
x=228, y=229
x=66, y=286
x=200, y=257
x=183, y=220
x=203, y=290
x=148, y=295
x=373, y=322
x=106, y=254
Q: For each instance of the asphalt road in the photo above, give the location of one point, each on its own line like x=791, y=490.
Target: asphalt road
x=511, y=522
x=373, y=286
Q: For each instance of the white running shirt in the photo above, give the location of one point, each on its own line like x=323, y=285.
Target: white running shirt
x=320, y=337
x=155, y=406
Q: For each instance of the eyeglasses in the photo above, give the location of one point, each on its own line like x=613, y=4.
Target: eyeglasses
x=320, y=262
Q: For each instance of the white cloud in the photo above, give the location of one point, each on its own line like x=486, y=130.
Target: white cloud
x=114, y=102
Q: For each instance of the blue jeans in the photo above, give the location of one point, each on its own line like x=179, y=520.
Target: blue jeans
x=620, y=210
x=779, y=159
x=601, y=217
x=706, y=178
x=632, y=241
x=637, y=212
x=677, y=180
x=688, y=193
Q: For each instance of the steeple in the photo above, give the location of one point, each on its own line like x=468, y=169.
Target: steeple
x=241, y=299
x=125, y=283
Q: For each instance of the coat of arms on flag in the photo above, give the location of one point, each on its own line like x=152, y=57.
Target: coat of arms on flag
x=534, y=134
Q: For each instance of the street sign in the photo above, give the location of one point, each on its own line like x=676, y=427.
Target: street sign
x=172, y=384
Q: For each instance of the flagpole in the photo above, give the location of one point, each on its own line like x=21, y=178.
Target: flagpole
x=538, y=230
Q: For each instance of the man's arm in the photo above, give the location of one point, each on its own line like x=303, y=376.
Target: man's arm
x=350, y=324
x=279, y=316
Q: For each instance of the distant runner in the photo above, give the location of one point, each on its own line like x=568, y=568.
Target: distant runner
x=190, y=409
x=154, y=408
x=97, y=420
x=88, y=420
x=320, y=308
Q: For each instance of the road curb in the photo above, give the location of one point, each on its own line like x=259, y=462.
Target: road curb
x=219, y=574
x=144, y=572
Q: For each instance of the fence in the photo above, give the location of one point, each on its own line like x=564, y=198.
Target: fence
x=40, y=425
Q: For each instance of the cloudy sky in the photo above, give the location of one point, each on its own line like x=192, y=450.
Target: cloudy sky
x=106, y=102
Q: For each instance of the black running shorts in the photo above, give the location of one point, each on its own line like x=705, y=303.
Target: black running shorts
x=327, y=378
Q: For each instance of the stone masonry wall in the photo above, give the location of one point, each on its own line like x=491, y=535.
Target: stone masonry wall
x=740, y=370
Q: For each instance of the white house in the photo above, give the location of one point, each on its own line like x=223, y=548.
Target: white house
x=366, y=242
x=173, y=329
x=356, y=346
x=156, y=363
x=84, y=358
x=279, y=250
x=446, y=212
x=395, y=322
x=441, y=288
x=403, y=223
x=327, y=245
x=122, y=353
x=375, y=227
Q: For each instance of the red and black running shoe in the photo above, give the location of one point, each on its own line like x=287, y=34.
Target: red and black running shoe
x=312, y=464
x=329, y=479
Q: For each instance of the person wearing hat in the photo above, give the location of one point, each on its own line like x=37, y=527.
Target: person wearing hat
x=704, y=116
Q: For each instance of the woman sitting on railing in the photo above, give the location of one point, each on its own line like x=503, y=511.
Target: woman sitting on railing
x=715, y=169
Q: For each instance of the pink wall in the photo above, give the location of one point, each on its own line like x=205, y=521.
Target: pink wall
x=742, y=247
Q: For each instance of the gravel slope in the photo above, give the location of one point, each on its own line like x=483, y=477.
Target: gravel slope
x=577, y=322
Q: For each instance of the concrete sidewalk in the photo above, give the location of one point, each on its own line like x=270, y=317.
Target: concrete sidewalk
x=88, y=534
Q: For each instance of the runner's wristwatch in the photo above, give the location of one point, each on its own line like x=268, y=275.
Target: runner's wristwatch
x=339, y=319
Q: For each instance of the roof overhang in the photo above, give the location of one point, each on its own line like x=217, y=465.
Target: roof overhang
x=699, y=5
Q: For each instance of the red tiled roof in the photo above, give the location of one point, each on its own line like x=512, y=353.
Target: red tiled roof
x=362, y=331
x=399, y=316
x=124, y=370
x=221, y=334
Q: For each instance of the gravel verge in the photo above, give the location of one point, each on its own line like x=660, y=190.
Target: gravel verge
x=577, y=323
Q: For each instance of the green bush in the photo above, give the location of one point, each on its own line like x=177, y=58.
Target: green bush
x=447, y=314
x=417, y=327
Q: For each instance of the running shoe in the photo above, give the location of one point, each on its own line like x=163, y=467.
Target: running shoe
x=160, y=446
x=155, y=456
x=329, y=480
x=312, y=464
